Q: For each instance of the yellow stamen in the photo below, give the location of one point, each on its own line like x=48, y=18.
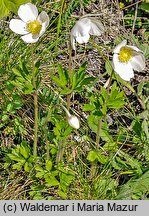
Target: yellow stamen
x=125, y=54
x=34, y=27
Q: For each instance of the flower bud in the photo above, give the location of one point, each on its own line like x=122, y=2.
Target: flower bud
x=74, y=122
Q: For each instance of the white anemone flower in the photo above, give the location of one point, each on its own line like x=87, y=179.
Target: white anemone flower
x=84, y=28
x=127, y=59
x=30, y=25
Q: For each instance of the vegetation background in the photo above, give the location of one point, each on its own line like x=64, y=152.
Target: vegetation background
x=108, y=156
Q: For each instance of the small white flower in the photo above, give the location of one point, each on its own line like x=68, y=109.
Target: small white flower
x=84, y=28
x=30, y=25
x=126, y=59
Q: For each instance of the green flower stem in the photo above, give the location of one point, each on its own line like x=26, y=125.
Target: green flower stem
x=35, y=96
x=70, y=72
x=98, y=133
x=35, y=122
x=69, y=101
x=94, y=167
x=46, y=134
x=60, y=153
x=47, y=149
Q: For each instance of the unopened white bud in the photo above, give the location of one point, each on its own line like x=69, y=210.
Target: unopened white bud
x=74, y=122
x=72, y=119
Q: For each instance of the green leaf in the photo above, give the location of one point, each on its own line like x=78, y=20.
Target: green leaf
x=101, y=158
x=125, y=83
x=15, y=157
x=131, y=162
x=67, y=132
x=108, y=66
x=98, y=113
x=144, y=6
x=36, y=195
x=5, y=117
x=92, y=156
x=78, y=77
x=17, y=166
x=66, y=178
x=40, y=174
x=6, y=165
x=39, y=168
x=116, y=98
x=145, y=48
x=66, y=91
x=88, y=107
x=3, y=9
x=87, y=81
x=105, y=135
x=25, y=150
x=48, y=165
x=93, y=122
x=110, y=146
x=28, y=88
x=63, y=75
x=63, y=78
x=51, y=181
x=57, y=81
x=82, y=68
x=27, y=167
x=134, y=188
x=9, y=107
x=62, y=194
x=145, y=128
x=140, y=88
x=136, y=125
x=105, y=185
x=10, y=5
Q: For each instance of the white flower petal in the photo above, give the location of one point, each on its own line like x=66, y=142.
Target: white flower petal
x=118, y=47
x=81, y=28
x=18, y=26
x=134, y=48
x=35, y=36
x=97, y=27
x=83, y=39
x=44, y=18
x=138, y=62
x=28, y=12
x=43, y=29
x=124, y=70
x=29, y=38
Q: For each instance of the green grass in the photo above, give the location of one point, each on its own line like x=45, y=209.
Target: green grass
x=108, y=156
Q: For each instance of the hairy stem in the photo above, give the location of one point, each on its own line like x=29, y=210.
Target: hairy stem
x=47, y=146
x=35, y=96
x=135, y=18
x=46, y=134
x=35, y=122
x=98, y=133
x=70, y=72
x=60, y=152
